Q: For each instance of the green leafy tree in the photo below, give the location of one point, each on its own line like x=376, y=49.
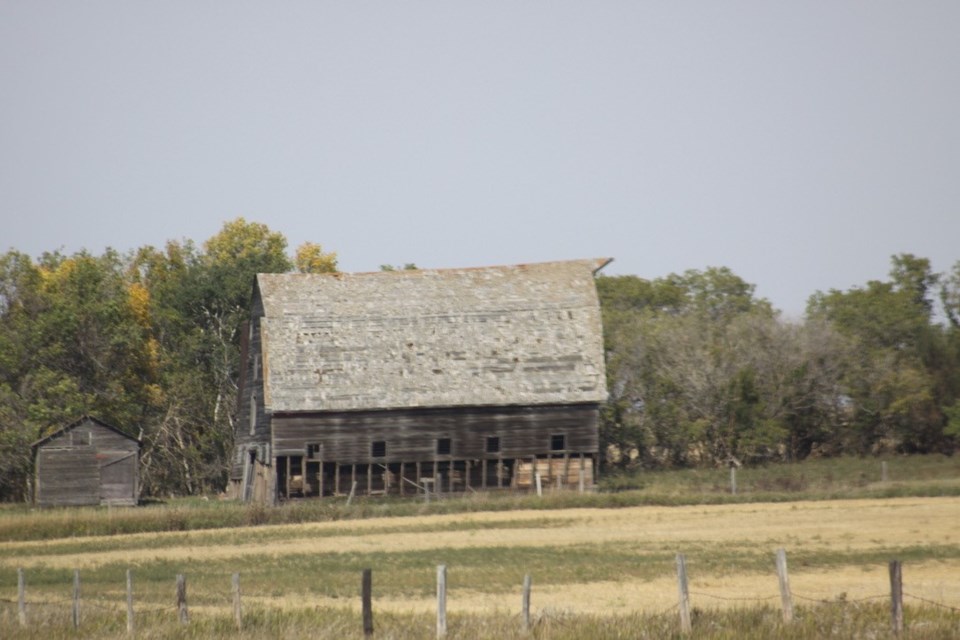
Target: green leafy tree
x=902, y=380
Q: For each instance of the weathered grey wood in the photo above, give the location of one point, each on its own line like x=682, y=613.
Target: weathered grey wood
x=786, y=598
x=182, y=613
x=896, y=596
x=733, y=480
x=366, y=597
x=237, y=605
x=76, y=599
x=884, y=476
x=21, y=598
x=525, y=607
x=333, y=368
x=353, y=489
x=86, y=463
x=369, y=479
x=684, y=592
x=582, y=480
x=536, y=475
x=441, y=600
x=130, y=620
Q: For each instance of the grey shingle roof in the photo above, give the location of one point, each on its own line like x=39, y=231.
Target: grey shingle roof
x=509, y=335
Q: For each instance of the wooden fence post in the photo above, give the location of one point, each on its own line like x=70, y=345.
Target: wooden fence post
x=527, y=584
x=896, y=595
x=21, y=598
x=786, y=598
x=366, y=597
x=733, y=480
x=353, y=489
x=129, y=602
x=441, y=600
x=182, y=612
x=237, y=605
x=539, y=484
x=884, y=476
x=685, y=626
x=76, y=599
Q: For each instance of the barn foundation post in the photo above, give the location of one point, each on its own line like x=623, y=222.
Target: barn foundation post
x=582, y=474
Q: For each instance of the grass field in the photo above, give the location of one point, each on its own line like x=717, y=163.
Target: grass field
x=587, y=564
x=597, y=572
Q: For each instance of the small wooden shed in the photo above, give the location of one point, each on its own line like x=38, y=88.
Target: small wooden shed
x=87, y=462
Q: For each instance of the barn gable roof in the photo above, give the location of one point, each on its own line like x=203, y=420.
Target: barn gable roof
x=77, y=423
x=507, y=335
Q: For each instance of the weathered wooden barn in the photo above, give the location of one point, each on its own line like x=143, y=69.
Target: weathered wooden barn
x=402, y=381
x=87, y=462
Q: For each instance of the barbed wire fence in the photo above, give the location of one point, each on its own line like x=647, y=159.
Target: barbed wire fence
x=682, y=607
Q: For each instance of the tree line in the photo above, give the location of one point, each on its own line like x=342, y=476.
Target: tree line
x=700, y=371
x=147, y=341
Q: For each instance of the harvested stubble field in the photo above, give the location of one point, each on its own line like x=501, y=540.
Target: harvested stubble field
x=593, y=563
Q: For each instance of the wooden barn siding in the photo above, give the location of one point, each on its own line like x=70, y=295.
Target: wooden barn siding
x=69, y=474
x=67, y=477
x=251, y=382
x=411, y=434
x=118, y=477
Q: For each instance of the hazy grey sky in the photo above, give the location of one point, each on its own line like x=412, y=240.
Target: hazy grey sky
x=798, y=143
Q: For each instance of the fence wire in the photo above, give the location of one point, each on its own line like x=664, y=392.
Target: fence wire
x=549, y=615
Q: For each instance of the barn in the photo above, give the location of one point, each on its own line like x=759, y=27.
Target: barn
x=87, y=462
x=397, y=382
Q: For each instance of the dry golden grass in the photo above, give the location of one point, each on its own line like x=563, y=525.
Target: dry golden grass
x=845, y=526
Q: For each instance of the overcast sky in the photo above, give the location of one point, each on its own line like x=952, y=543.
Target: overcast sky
x=801, y=144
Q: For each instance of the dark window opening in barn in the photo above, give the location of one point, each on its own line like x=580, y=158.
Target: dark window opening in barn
x=314, y=451
x=558, y=442
x=444, y=446
x=378, y=449
x=81, y=438
x=493, y=444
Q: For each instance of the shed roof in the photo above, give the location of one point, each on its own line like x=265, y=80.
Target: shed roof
x=506, y=335
x=77, y=423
